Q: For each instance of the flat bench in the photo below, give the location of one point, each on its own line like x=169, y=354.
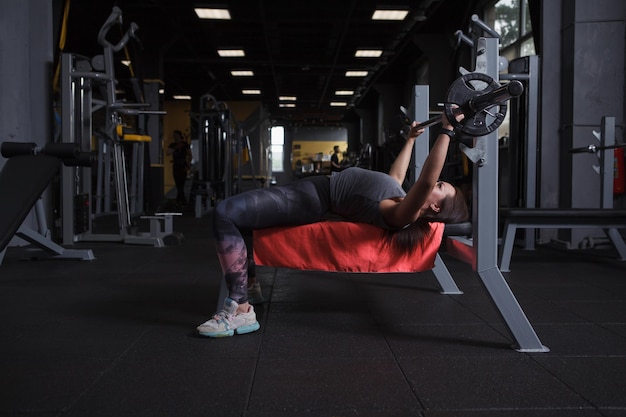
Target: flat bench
x=531, y=218
x=339, y=246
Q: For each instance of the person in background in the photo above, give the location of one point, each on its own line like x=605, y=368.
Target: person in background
x=181, y=158
x=334, y=160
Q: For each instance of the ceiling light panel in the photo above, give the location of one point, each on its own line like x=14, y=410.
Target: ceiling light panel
x=389, y=14
x=227, y=53
x=368, y=53
x=242, y=73
x=356, y=73
x=212, y=13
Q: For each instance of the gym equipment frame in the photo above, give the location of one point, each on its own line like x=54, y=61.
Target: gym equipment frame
x=484, y=242
x=78, y=77
x=605, y=217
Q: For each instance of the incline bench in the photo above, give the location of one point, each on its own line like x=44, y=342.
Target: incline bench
x=24, y=177
x=532, y=218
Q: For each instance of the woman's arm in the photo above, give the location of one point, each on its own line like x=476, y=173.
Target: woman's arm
x=401, y=163
x=401, y=213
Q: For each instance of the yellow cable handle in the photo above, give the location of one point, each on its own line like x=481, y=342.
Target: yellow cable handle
x=62, y=39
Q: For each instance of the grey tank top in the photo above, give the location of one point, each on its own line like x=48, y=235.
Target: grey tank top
x=355, y=194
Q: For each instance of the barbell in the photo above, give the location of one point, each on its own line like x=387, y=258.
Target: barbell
x=481, y=99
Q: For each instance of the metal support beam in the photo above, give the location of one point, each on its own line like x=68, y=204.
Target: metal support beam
x=485, y=221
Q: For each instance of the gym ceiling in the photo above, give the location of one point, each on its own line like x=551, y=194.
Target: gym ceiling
x=294, y=48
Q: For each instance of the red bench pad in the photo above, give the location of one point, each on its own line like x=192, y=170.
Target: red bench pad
x=340, y=247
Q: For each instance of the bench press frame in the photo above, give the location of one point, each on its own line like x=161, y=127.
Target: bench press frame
x=484, y=242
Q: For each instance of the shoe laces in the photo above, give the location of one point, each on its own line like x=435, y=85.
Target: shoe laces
x=222, y=316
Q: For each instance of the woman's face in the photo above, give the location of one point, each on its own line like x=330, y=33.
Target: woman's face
x=441, y=190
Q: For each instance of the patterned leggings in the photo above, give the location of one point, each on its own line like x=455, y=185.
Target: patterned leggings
x=302, y=202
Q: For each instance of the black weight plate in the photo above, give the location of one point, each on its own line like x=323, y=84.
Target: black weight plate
x=460, y=94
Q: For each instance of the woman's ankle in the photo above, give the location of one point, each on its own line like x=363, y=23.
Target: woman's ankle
x=243, y=307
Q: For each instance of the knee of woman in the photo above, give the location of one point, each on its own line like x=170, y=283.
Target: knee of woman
x=220, y=212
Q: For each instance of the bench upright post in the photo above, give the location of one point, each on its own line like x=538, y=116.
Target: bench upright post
x=485, y=224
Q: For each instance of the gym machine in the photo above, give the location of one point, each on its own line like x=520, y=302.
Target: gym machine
x=222, y=144
x=79, y=76
x=215, y=142
x=475, y=92
x=520, y=149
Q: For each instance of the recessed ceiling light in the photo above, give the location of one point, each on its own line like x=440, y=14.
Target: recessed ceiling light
x=242, y=73
x=286, y=105
x=356, y=73
x=389, y=14
x=212, y=13
x=287, y=98
x=338, y=103
x=251, y=92
x=230, y=52
x=182, y=97
x=368, y=53
x=344, y=92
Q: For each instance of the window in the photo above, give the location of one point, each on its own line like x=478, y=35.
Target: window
x=511, y=19
x=277, y=148
x=507, y=21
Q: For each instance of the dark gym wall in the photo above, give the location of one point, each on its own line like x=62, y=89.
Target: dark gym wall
x=592, y=87
x=26, y=68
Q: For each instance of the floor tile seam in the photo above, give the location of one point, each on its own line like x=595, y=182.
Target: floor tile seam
x=257, y=360
x=581, y=356
x=608, y=329
x=547, y=298
x=537, y=359
x=560, y=305
x=258, y=356
x=395, y=360
x=489, y=323
x=114, y=363
x=442, y=324
x=504, y=409
x=510, y=354
x=618, y=301
x=574, y=324
x=392, y=355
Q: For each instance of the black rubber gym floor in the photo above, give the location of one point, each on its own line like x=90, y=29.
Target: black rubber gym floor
x=116, y=337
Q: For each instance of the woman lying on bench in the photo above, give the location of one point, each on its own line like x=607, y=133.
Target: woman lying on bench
x=356, y=194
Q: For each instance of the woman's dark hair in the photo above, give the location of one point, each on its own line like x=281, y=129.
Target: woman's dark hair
x=453, y=210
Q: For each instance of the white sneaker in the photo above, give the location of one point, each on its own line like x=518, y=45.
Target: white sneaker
x=228, y=322
x=255, y=295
